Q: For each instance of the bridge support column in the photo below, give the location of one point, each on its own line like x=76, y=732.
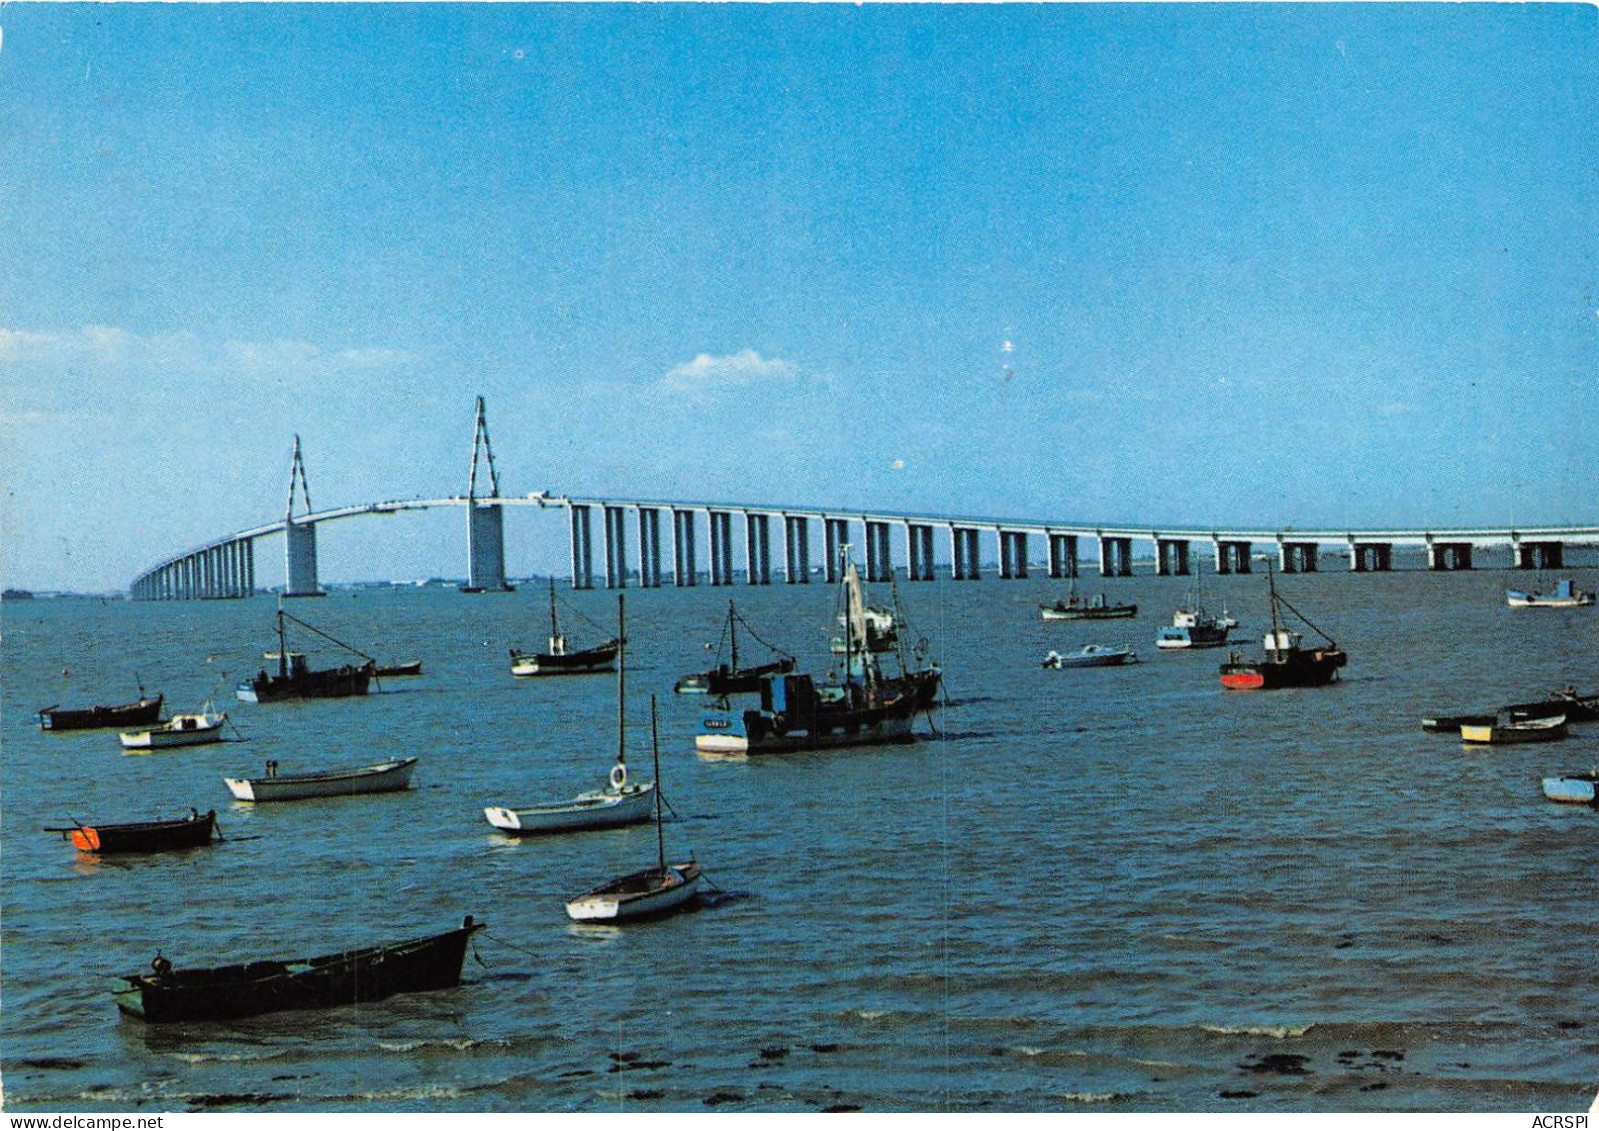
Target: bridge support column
x=249, y=567
x=1062, y=556
x=1371, y=557
x=582, y=547
x=835, y=536
x=1448, y=555
x=1012, y=554
x=1232, y=556
x=1540, y=555
x=964, y=553
x=721, y=547
x=1297, y=557
x=685, y=570
x=485, y=548
x=1171, y=557
x=300, y=559
x=649, y=547
x=1115, y=556
x=796, y=549
x=615, y=548
x=758, y=549
x=918, y=552
x=879, y=558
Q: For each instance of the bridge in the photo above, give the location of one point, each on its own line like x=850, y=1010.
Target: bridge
x=225, y=567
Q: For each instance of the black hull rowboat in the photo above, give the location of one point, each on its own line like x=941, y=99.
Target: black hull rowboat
x=347, y=978
x=150, y=836
x=139, y=713
x=412, y=668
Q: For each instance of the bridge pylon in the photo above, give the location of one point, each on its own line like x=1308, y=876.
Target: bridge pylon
x=299, y=537
x=485, y=520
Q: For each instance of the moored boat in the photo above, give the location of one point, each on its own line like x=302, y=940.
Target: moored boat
x=1194, y=626
x=296, y=679
x=1575, y=788
x=381, y=777
x=559, y=659
x=180, y=730
x=414, y=667
x=1577, y=706
x=864, y=707
x=140, y=712
x=345, y=978
x=1451, y=724
x=192, y=831
x=621, y=802
x=1073, y=607
x=1565, y=596
x=1286, y=662
x=649, y=892
x=731, y=679
x=1504, y=733
x=1090, y=656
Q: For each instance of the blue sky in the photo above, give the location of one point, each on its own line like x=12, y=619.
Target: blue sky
x=1317, y=265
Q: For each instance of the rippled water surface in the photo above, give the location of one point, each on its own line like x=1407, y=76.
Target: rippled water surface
x=1105, y=890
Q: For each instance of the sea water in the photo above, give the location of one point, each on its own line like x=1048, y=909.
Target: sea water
x=1115, y=889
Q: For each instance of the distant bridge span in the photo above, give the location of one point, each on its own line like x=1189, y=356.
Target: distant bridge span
x=225, y=567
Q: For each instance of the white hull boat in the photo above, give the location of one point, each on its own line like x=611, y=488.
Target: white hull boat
x=602, y=809
x=1090, y=656
x=654, y=891
x=180, y=730
x=1575, y=789
x=383, y=777
x=1497, y=733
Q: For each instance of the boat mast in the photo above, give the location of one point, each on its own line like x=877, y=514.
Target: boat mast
x=655, y=747
x=1276, y=619
x=732, y=630
x=283, y=648
x=555, y=629
x=621, y=683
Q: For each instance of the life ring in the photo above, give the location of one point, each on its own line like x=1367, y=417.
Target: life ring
x=618, y=777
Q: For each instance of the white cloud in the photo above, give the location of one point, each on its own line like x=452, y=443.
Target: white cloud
x=737, y=370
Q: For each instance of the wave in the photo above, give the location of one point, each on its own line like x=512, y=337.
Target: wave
x=1280, y=1032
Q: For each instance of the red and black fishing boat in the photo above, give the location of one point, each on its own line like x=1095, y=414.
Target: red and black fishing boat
x=351, y=976
x=138, y=713
x=192, y=831
x=1287, y=663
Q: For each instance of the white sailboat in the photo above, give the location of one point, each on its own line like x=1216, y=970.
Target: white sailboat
x=653, y=891
x=621, y=802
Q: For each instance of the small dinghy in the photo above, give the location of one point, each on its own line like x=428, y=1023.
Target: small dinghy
x=141, y=712
x=180, y=730
x=1090, y=656
x=1497, y=733
x=383, y=777
x=414, y=667
x=1572, y=788
x=347, y=978
x=623, y=802
x=653, y=891
x=192, y=831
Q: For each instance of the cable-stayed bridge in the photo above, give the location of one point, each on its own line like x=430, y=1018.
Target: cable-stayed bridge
x=632, y=549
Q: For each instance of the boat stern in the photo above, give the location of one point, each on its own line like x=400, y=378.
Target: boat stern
x=502, y=818
x=241, y=788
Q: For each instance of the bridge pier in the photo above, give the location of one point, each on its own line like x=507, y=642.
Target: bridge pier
x=1115, y=556
x=615, y=547
x=835, y=536
x=879, y=559
x=918, y=552
x=299, y=539
x=1296, y=557
x=582, y=547
x=796, y=549
x=1171, y=557
x=1012, y=554
x=1448, y=555
x=757, y=549
x=485, y=548
x=721, y=547
x=1371, y=557
x=964, y=553
x=1062, y=556
x=649, y=547
x=1232, y=556
x=685, y=570
x=1540, y=555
